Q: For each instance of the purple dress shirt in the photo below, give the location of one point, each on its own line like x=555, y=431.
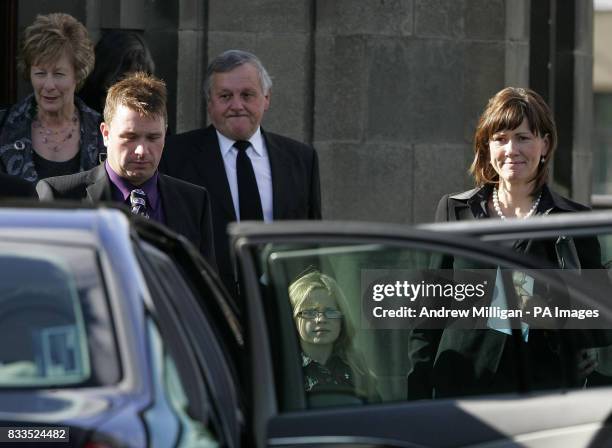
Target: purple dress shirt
x=121, y=190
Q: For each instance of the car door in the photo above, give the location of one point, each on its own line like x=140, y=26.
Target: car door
x=419, y=382
x=201, y=335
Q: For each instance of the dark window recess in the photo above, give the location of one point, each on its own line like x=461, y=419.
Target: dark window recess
x=8, y=41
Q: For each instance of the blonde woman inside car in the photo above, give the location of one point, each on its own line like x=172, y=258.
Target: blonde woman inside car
x=330, y=362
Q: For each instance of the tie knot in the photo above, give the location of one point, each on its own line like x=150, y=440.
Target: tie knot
x=241, y=145
x=138, y=201
x=138, y=196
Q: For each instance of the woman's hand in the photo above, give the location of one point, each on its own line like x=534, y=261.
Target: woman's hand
x=587, y=362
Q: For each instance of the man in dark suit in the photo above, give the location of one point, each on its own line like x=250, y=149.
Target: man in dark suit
x=14, y=187
x=133, y=130
x=251, y=174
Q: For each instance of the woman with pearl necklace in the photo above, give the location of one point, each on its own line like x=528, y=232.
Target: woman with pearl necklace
x=514, y=143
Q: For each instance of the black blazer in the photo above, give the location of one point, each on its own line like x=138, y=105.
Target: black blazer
x=195, y=157
x=186, y=207
x=454, y=362
x=15, y=187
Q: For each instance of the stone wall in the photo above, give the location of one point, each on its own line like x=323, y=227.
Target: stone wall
x=388, y=91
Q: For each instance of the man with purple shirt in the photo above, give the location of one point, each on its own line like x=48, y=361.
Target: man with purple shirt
x=134, y=130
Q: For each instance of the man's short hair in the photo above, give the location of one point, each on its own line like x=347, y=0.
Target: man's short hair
x=139, y=92
x=228, y=61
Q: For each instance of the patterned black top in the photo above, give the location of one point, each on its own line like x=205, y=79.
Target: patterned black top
x=336, y=375
x=16, y=152
x=48, y=168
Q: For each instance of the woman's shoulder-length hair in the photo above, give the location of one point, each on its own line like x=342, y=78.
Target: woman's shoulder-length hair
x=507, y=110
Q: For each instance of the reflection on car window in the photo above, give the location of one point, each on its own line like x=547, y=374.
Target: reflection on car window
x=46, y=309
x=589, y=259
x=191, y=432
x=350, y=305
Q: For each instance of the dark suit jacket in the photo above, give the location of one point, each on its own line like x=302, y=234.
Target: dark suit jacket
x=186, y=207
x=454, y=362
x=195, y=157
x=15, y=187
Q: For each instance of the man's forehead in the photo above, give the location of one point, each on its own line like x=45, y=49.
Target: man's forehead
x=245, y=75
x=125, y=112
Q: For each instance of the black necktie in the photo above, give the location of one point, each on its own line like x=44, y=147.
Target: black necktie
x=138, y=201
x=248, y=193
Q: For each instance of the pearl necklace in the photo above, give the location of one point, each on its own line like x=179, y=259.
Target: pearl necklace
x=501, y=214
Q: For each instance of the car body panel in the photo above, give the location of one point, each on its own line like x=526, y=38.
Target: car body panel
x=133, y=411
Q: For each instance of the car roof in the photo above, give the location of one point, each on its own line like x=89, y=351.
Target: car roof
x=103, y=225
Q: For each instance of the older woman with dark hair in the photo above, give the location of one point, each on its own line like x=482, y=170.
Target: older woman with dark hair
x=118, y=53
x=51, y=132
x=514, y=143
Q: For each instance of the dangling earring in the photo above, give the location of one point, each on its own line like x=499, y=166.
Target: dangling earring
x=542, y=160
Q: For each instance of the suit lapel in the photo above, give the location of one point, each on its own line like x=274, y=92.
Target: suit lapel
x=463, y=212
x=211, y=164
x=98, y=185
x=176, y=209
x=280, y=168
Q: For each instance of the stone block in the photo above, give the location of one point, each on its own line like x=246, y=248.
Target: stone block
x=220, y=41
x=438, y=170
x=190, y=104
x=517, y=64
x=584, y=27
x=366, y=182
x=192, y=15
x=439, y=18
x=93, y=19
x=260, y=15
x=486, y=19
x=518, y=14
x=484, y=75
x=582, y=179
x=125, y=14
x=164, y=50
x=415, y=90
x=340, y=88
x=388, y=17
x=159, y=15
x=29, y=9
x=287, y=60
x=138, y=14
x=583, y=103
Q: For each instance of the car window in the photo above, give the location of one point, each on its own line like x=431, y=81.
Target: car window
x=341, y=324
x=54, y=318
x=587, y=259
x=191, y=432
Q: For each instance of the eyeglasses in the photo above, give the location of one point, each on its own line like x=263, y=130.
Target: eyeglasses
x=313, y=314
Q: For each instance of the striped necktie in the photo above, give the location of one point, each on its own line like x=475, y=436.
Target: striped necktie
x=138, y=201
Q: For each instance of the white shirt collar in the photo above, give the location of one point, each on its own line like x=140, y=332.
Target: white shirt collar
x=256, y=141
